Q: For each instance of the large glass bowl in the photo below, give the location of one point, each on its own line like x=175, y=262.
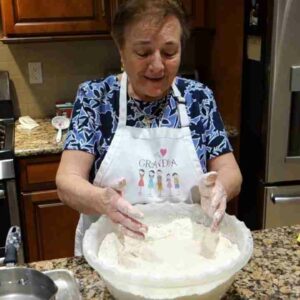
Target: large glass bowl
x=210, y=283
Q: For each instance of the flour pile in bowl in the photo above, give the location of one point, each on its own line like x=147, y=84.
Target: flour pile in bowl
x=169, y=248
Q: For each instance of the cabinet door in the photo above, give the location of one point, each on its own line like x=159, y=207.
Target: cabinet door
x=114, y=5
x=199, y=11
x=49, y=226
x=195, y=10
x=52, y=17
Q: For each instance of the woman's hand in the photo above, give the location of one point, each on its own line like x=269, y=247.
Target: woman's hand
x=213, y=198
x=122, y=212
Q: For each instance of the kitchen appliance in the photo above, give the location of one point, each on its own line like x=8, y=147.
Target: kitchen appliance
x=9, y=208
x=270, y=130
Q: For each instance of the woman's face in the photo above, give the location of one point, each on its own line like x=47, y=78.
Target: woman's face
x=151, y=56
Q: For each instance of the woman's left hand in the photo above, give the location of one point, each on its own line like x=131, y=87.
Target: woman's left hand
x=213, y=198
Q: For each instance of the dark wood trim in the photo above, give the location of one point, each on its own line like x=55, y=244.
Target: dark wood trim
x=58, y=38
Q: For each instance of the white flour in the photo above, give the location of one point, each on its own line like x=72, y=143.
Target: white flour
x=170, y=249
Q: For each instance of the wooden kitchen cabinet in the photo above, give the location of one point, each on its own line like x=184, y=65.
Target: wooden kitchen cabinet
x=115, y=4
x=38, y=18
x=52, y=20
x=200, y=12
x=195, y=10
x=48, y=224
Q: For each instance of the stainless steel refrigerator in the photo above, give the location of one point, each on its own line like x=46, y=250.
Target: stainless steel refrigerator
x=270, y=130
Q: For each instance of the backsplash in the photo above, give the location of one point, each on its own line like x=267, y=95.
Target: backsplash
x=64, y=66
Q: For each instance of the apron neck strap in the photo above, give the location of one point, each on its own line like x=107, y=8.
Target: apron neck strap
x=123, y=101
x=181, y=105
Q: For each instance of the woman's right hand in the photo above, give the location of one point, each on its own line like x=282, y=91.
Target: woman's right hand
x=213, y=198
x=123, y=213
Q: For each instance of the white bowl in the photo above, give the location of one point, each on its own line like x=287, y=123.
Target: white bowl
x=210, y=283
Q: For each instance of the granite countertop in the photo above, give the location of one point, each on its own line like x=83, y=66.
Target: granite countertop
x=41, y=139
x=272, y=273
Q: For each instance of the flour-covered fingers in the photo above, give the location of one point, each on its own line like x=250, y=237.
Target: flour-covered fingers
x=119, y=184
x=210, y=178
x=219, y=214
x=122, y=212
x=215, y=201
x=130, y=233
x=132, y=224
x=126, y=208
x=207, y=184
x=218, y=194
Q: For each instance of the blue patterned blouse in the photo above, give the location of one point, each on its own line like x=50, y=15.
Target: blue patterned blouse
x=96, y=109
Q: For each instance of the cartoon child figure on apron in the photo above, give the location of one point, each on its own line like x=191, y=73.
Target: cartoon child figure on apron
x=176, y=182
x=141, y=182
x=151, y=182
x=169, y=183
x=159, y=182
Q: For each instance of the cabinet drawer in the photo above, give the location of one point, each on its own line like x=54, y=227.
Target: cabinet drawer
x=38, y=173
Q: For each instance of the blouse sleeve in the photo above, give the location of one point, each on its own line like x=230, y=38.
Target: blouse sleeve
x=217, y=142
x=83, y=133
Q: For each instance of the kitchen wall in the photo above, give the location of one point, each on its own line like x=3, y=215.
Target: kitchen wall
x=64, y=66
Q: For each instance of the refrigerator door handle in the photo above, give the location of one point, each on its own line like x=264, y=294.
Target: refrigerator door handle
x=295, y=79
x=284, y=199
x=2, y=194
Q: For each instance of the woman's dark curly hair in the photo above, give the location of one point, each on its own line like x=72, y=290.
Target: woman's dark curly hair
x=135, y=10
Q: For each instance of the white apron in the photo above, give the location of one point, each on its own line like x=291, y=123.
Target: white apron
x=159, y=164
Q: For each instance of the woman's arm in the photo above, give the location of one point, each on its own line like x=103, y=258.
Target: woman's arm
x=228, y=173
x=73, y=186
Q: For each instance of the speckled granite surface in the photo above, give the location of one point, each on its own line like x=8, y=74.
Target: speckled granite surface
x=272, y=273
x=41, y=140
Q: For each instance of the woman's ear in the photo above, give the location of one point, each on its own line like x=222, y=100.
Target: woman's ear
x=121, y=58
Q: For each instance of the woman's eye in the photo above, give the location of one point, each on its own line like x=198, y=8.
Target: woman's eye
x=169, y=54
x=142, y=54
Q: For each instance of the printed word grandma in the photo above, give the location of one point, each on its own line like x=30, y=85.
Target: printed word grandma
x=157, y=164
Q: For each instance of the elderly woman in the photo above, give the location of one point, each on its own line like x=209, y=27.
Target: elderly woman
x=145, y=119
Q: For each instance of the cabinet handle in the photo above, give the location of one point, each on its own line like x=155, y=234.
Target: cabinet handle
x=285, y=199
x=103, y=8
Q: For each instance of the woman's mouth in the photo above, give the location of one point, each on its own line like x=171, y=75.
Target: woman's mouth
x=155, y=79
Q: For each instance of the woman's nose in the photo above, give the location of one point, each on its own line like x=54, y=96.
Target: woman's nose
x=156, y=64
